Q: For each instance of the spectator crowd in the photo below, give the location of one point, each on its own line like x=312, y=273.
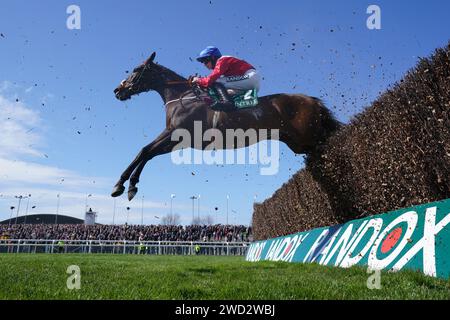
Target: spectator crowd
x=206, y=233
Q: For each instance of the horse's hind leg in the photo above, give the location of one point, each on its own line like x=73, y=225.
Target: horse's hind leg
x=119, y=188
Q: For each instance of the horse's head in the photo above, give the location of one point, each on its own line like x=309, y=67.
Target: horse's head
x=143, y=78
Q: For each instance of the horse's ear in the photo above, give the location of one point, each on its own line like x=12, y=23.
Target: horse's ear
x=152, y=57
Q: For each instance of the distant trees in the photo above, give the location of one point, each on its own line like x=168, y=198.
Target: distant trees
x=205, y=220
x=174, y=219
x=171, y=219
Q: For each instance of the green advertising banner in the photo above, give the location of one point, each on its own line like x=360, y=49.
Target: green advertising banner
x=416, y=238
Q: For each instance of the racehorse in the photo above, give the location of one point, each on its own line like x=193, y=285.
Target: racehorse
x=303, y=122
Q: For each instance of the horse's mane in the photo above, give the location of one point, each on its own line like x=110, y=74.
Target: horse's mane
x=170, y=75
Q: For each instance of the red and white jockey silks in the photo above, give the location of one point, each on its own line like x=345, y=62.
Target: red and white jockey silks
x=249, y=81
x=226, y=66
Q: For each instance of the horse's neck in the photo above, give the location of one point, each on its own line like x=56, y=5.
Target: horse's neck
x=169, y=91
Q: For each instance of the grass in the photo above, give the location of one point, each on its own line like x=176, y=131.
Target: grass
x=43, y=276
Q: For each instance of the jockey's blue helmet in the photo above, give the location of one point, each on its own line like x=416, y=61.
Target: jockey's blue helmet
x=209, y=52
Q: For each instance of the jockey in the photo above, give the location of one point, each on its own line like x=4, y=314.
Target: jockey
x=228, y=73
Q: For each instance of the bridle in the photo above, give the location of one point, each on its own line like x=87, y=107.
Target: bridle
x=141, y=73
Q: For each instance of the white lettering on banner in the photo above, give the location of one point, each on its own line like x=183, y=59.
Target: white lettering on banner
x=284, y=249
x=349, y=261
x=427, y=243
x=254, y=253
x=248, y=256
x=384, y=246
x=279, y=250
x=345, y=243
x=328, y=246
x=410, y=218
x=286, y=253
x=315, y=245
x=260, y=250
x=293, y=250
x=273, y=246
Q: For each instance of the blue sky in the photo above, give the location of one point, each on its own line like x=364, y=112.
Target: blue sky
x=63, y=132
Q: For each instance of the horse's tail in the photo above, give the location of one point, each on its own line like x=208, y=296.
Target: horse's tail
x=329, y=122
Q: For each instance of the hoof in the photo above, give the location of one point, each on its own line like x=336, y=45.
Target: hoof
x=118, y=190
x=132, y=191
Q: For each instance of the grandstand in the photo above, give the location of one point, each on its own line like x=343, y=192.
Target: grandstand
x=125, y=239
x=43, y=219
x=203, y=233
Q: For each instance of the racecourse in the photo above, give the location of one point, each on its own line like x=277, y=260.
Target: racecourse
x=43, y=276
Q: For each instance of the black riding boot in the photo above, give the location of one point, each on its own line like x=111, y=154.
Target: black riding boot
x=225, y=103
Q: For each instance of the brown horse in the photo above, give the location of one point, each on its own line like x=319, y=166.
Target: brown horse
x=303, y=122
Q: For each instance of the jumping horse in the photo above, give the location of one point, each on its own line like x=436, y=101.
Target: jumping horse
x=303, y=122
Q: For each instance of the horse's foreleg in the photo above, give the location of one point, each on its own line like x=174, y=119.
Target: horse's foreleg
x=163, y=146
x=119, y=188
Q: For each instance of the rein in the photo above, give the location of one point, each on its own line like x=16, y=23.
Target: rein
x=177, y=82
x=195, y=90
x=180, y=99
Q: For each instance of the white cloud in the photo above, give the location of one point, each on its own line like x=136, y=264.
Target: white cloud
x=6, y=85
x=19, y=129
x=20, y=135
x=32, y=173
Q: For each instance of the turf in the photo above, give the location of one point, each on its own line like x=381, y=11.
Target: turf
x=42, y=276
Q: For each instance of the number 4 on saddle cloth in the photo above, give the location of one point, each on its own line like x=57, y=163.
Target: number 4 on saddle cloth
x=241, y=99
